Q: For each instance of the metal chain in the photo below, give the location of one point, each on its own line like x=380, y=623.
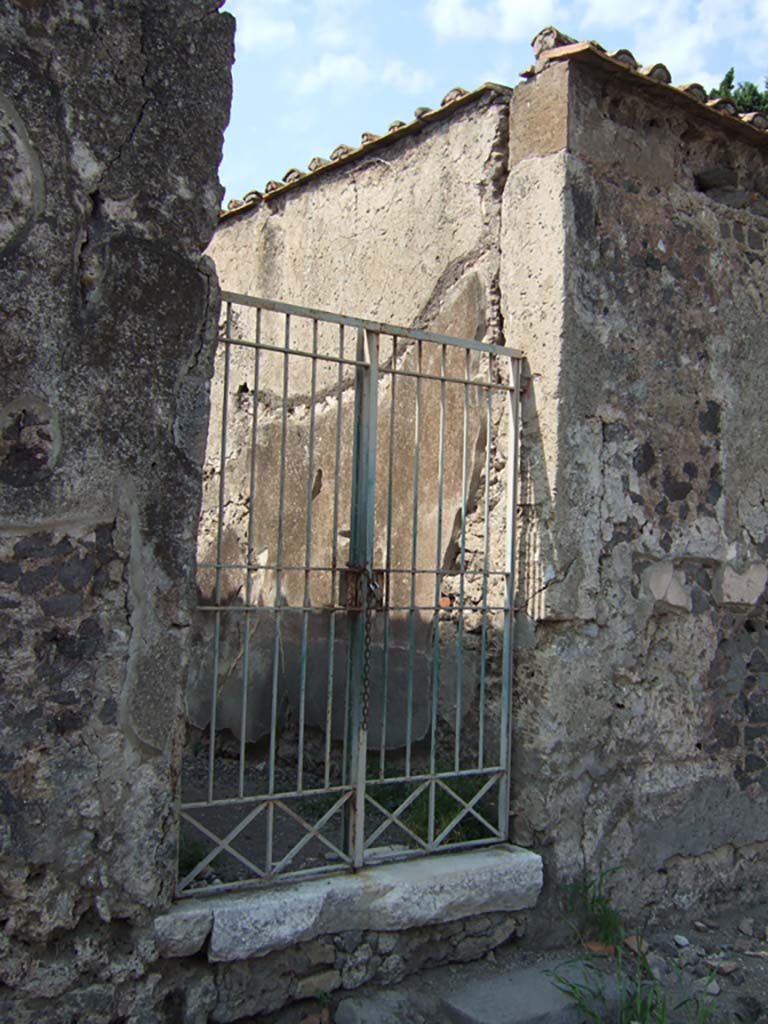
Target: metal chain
x=370, y=599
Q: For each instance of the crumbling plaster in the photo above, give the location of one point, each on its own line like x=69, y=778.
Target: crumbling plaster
x=108, y=315
x=385, y=236
x=646, y=343
x=626, y=247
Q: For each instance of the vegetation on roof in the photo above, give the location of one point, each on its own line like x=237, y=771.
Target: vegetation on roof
x=746, y=96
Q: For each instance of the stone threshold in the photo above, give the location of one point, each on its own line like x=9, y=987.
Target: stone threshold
x=388, y=897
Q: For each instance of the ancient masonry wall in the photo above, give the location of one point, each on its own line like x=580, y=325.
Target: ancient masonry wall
x=641, y=682
x=399, y=235
x=108, y=315
x=625, y=243
x=199, y=992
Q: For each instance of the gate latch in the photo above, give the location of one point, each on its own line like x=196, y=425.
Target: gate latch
x=352, y=586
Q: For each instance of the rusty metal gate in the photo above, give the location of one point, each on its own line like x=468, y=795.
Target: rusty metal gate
x=350, y=701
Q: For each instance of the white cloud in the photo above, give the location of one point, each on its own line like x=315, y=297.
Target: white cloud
x=263, y=24
x=686, y=35
x=520, y=20
x=331, y=35
x=332, y=68
x=455, y=18
x=334, y=25
x=407, y=79
x=494, y=19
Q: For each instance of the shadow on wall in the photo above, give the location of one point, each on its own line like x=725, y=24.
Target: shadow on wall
x=309, y=652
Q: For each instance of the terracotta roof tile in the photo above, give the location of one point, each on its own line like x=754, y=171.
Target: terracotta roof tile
x=550, y=44
x=756, y=119
x=452, y=95
x=698, y=92
x=548, y=39
x=723, y=106
x=659, y=72
x=626, y=57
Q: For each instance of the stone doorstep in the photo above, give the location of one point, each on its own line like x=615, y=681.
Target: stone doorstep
x=529, y=995
x=388, y=897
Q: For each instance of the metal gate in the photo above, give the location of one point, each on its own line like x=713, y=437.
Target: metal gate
x=351, y=698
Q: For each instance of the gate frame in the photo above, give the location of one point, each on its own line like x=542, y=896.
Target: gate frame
x=362, y=523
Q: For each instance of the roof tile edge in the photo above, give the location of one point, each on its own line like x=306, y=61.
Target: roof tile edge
x=414, y=127
x=717, y=111
x=621, y=62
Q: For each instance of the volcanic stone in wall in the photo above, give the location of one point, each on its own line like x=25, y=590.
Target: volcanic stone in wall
x=107, y=320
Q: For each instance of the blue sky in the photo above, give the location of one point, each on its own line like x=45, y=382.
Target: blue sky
x=310, y=74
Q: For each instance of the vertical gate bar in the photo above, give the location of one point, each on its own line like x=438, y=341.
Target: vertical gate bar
x=438, y=592
x=513, y=455
x=369, y=603
x=437, y=595
x=334, y=576
x=307, y=565
x=249, y=556
x=486, y=557
x=388, y=563
x=278, y=600
x=219, y=554
x=360, y=557
x=414, y=556
x=462, y=567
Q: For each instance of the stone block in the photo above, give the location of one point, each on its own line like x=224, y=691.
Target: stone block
x=666, y=588
x=379, y=1008
x=183, y=931
x=392, y=897
x=740, y=588
x=525, y=996
x=320, y=953
x=318, y=984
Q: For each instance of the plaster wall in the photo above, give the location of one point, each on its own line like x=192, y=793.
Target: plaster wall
x=384, y=237
x=639, y=691
x=407, y=235
x=108, y=316
x=625, y=243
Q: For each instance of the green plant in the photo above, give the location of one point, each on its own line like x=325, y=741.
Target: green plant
x=639, y=998
x=191, y=852
x=746, y=96
x=638, y=995
x=595, y=917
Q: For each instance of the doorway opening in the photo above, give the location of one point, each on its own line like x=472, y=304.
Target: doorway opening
x=350, y=702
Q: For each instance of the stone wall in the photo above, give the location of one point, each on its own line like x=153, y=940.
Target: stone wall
x=108, y=318
x=406, y=234
x=623, y=232
x=228, y=992
x=640, y=735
